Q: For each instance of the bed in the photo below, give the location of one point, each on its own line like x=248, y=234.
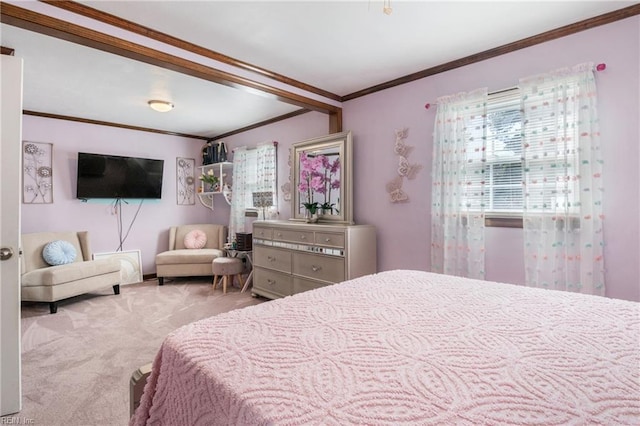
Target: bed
x=404, y=347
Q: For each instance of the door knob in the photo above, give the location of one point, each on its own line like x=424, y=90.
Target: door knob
x=6, y=253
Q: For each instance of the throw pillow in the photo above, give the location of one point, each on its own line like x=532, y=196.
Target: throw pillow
x=195, y=239
x=59, y=252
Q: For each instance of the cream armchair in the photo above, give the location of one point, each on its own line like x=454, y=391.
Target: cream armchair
x=180, y=261
x=41, y=282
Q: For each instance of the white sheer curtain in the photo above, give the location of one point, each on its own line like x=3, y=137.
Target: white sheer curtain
x=254, y=170
x=563, y=222
x=240, y=189
x=267, y=173
x=458, y=195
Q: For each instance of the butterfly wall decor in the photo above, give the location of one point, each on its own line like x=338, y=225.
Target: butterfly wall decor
x=400, y=148
x=405, y=169
x=394, y=188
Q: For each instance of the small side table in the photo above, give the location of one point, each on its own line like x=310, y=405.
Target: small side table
x=246, y=254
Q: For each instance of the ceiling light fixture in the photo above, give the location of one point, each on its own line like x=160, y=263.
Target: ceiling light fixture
x=387, y=9
x=160, y=106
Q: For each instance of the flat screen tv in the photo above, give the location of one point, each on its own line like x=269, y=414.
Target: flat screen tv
x=112, y=176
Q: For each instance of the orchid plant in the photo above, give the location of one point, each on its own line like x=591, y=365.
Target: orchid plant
x=318, y=175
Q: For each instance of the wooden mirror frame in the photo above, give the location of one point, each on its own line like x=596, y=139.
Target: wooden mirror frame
x=336, y=143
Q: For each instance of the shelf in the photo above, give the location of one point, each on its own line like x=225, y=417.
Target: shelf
x=224, y=165
x=206, y=200
x=222, y=172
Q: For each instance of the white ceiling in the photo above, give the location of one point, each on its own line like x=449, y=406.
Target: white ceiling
x=338, y=46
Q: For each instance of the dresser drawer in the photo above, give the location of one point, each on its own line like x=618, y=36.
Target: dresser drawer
x=325, y=268
x=272, y=283
x=330, y=239
x=293, y=236
x=262, y=233
x=302, y=284
x=272, y=258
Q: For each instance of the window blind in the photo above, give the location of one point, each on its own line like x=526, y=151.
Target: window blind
x=504, y=152
x=551, y=149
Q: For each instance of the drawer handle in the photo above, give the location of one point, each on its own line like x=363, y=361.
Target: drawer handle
x=303, y=237
x=315, y=268
x=326, y=240
x=271, y=259
x=279, y=234
x=271, y=282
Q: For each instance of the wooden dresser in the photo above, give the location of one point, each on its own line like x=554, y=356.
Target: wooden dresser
x=292, y=257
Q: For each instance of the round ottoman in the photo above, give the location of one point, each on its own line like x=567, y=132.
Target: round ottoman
x=226, y=267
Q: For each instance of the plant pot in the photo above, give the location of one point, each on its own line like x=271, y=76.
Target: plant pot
x=310, y=217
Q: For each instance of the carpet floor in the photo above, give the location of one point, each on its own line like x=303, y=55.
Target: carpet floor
x=76, y=364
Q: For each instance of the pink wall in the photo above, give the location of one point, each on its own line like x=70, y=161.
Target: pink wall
x=149, y=233
x=403, y=229
x=150, y=230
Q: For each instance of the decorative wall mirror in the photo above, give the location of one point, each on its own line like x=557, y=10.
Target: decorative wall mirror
x=322, y=177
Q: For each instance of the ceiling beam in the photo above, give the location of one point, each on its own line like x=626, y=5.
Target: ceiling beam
x=6, y=51
x=166, y=132
x=110, y=124
x=260, y=124
x=33, y=21
x=118, y=22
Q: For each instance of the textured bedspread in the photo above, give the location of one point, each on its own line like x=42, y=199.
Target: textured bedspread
x=404, y=347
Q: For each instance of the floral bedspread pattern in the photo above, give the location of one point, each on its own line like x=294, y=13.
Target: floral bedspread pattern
x=404, y=347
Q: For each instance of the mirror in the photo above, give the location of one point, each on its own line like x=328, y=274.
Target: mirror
x=322, y=176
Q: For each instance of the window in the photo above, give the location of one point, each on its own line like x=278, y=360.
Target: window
x=251, y=179
x=254, y=171
x=529, y=155
x=504, y=155
x=493, y=167
x=504, y=171
x=551, y=156
x=259, y=185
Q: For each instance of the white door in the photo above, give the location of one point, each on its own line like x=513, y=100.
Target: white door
x=10, y=199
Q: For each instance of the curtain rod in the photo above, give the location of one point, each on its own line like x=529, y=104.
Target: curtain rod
x=599, y=67
x=275, y=143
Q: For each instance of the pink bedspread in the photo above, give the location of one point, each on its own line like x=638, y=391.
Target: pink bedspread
x=404, y=347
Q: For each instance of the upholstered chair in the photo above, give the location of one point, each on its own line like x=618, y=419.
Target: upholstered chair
x=192, y=249
x=73, y=272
